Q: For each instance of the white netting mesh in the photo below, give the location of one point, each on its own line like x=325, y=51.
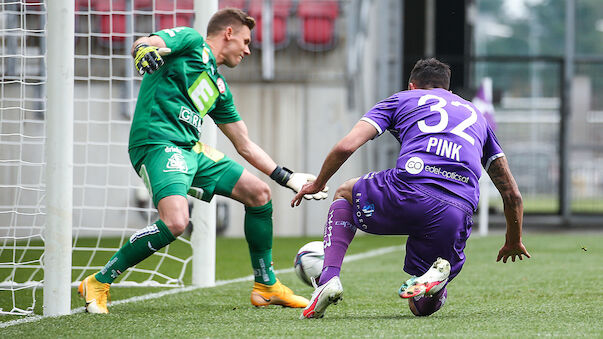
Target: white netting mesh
x=110, y=202
x=106, y=202
x=21, y=153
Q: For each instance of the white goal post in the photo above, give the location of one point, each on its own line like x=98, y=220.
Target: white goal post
x=68, y=195
x=203, y=216
x=59, y=158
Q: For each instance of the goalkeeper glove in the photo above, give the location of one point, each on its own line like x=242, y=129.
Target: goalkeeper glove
x=147, y=59
x=295, y=181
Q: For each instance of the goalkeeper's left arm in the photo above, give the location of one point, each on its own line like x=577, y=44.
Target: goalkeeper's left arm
x=258, y=158
x=147, y=52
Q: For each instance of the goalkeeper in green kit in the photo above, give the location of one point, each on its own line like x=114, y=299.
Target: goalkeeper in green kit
x=176, y=93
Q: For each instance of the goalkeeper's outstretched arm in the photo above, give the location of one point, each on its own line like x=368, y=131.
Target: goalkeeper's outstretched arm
x=237, y=133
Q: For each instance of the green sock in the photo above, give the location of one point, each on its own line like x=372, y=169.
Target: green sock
x=140, y=246
x=258, y=233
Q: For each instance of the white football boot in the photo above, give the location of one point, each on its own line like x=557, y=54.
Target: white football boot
x=323, y=296
x=429, y=283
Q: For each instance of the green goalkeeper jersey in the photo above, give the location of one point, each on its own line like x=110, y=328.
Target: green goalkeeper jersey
x=173, y=101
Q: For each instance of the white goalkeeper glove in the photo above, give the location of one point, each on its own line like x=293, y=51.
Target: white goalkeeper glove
x=295, y=181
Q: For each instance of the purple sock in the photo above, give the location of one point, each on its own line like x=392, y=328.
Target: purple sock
x=339, y=232
x=426, y=305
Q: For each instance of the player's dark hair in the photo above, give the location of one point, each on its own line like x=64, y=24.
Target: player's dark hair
x=430, y=73
x=229, y=17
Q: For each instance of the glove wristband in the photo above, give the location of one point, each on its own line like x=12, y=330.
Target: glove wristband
x=281, y=175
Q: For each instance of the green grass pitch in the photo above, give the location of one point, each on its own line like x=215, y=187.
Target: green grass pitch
x=557, y=293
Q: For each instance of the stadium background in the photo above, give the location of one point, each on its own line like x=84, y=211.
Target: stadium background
x=550, y=127
x=548, y=112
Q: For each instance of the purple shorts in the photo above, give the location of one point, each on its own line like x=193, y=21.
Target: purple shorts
x=436, y=226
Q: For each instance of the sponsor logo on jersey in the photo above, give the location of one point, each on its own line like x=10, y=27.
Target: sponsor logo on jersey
x=446, y=174
x=176, y=163
x=172, y=149
x=414, y=165
x=205, y=55
x=221, y=85
x=203, y=93
x=191, y=118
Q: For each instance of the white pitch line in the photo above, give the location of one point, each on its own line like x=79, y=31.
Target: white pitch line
x=150, y=296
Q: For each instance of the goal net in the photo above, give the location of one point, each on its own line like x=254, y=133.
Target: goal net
x=109, y=201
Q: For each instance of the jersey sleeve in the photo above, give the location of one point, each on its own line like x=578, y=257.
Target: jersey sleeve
x=224, y=111
x=180, y=39
x=491, y=149
x=380, y=116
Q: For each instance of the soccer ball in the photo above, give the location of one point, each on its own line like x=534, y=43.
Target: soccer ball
x=308, y=261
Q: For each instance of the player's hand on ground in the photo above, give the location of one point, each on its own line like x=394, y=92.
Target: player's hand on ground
x=147, y=59
x=310, y=190
x=512, y=250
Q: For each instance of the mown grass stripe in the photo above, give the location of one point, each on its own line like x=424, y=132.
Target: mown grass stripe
x=150, y=296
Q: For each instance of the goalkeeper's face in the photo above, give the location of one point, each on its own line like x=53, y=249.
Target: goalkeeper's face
x=237, y=46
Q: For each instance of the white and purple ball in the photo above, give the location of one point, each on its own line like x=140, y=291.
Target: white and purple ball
x=308, y=261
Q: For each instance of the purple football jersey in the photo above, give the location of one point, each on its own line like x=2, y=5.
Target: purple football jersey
x=444, y=140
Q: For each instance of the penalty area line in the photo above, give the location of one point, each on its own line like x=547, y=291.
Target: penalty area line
x=150, y=296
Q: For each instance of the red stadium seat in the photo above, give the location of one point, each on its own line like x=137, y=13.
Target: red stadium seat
x=112, y=19
x=317, y=18
x=84, y=5
x=143, y=4
x=181, y=13
x=112, y=24
x=240, y=4
x=33, y=5
x=281, y=9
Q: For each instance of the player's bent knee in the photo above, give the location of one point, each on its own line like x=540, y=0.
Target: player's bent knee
x=261, y=195
x=177, y=226
x=345, y=190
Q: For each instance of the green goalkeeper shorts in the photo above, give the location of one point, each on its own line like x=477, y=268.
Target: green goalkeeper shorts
x=201, y=171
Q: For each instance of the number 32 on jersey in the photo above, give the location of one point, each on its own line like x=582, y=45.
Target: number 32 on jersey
x=444, y=147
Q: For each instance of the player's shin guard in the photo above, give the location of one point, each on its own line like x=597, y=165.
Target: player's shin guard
x=338, y=234
x=427, y=305
x=258, y=233
x=140, y=246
